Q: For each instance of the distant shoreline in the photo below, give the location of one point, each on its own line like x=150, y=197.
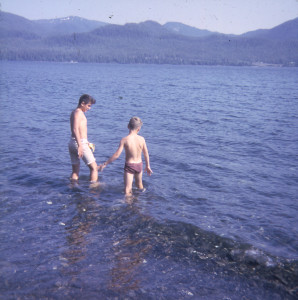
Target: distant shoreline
x=256, y=64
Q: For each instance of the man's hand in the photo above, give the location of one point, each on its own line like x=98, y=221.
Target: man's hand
x=80, y=151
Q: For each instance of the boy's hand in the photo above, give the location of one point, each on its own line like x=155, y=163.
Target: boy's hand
x=149, y=171
x=101, y=167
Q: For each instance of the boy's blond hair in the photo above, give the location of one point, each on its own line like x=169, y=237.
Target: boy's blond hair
x=134, y=123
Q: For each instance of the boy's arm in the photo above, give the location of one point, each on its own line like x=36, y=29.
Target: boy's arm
x=76, y=131
x=113, y=157
x=146, y=157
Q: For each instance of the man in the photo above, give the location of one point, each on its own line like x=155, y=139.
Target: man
x=78, y=145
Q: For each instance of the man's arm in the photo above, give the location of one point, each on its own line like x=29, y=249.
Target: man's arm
x=77, y=118
x=113, y=157
x=146, y=157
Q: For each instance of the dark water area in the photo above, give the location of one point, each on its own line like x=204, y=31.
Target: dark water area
x=218, y=218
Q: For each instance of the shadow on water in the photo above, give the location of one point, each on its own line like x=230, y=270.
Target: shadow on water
x=129, y=256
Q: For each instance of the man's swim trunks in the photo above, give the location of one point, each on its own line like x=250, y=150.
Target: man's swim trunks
x=88, y=156
x=133, y=168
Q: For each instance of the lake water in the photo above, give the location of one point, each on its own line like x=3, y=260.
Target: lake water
x=218, y=219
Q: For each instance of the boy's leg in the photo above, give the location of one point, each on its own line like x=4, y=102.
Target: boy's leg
x=139, y=181
x=93, y=172
x=75, y=172
x=128, y=179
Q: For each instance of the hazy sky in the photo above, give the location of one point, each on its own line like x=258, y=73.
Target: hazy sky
x=225, y=16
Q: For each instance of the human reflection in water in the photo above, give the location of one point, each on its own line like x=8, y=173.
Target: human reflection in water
x=77, y=229
x=130, y=252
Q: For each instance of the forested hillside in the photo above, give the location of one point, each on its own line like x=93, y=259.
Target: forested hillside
x=70, y=39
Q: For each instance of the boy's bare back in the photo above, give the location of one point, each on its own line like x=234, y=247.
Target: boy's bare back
x=133, y=145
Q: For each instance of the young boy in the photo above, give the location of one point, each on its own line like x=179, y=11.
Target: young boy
x=134, y=146
x=78, y=145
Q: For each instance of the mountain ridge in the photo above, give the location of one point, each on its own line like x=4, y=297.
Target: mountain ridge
x=68, y=25
x=80, y=25
x=187, y=30
x=284, y=31
x=145, y=42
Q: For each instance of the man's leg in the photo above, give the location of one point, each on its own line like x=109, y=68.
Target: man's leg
x=93, y=172
x=128, y=179
x=139, y=181
x=75, y=172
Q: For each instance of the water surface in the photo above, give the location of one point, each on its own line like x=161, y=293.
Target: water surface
x=218, y=219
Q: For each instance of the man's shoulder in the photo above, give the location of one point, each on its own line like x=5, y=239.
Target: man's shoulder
x=77, y=112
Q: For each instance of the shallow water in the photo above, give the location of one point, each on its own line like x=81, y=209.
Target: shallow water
x=218, y=219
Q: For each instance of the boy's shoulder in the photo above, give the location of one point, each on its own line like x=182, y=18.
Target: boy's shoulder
x=124, y=139
x=129, y=138
x=140, y=138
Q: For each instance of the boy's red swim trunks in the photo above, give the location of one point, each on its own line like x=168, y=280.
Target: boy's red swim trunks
x=133, y=168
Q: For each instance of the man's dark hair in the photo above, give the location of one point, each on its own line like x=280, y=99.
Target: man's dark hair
x=86, y=99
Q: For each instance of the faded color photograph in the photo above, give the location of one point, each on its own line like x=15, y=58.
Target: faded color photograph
x=149, y=149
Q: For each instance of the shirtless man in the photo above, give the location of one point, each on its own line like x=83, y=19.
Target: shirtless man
x=134, y=146
x=78, y=145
